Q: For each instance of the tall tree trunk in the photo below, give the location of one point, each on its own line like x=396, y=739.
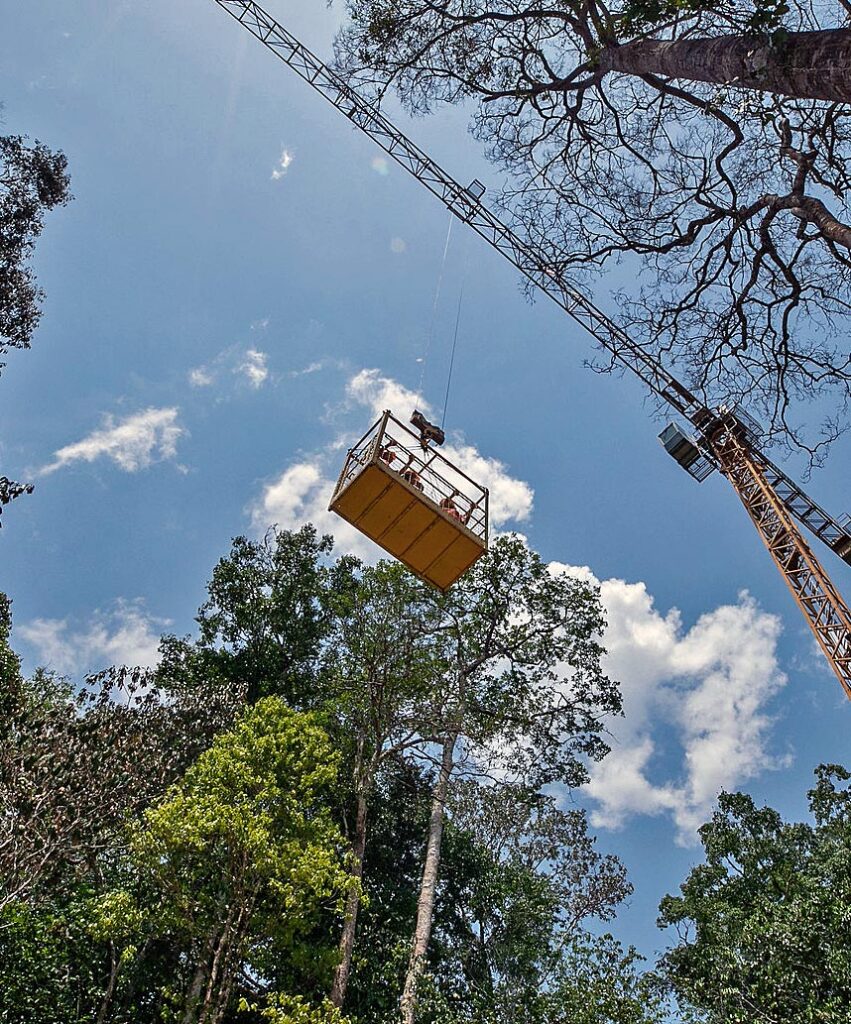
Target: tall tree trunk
x=807, y=65
x=110, y=988
x=193, y=996
x=213, y=978
x=428, y=887
x=347, y=939
x=200, y=994
x=228, y=969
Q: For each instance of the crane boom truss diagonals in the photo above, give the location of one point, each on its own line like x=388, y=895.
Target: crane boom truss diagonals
x=466, y=206
x=820, y=523
x=771, y=498
x=548, y=279
x=818, y=599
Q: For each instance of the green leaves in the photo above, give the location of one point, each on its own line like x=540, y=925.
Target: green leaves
x=522, y=880
x=270, y=606
x=186, y=855
x=33, y=180
x=764, y=922
x=10, y=663
x=528, y=642
x=286, y=1009
x=242, y=852
x=645, y=15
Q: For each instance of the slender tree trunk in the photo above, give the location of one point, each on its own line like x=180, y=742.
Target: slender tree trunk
x=347, y=939
x=213, y=982
x=221, y=968
x=807, y=65
x=110, y=988
x=198, y=996
x=428, y=887
x=193, y=997
x=227, y=970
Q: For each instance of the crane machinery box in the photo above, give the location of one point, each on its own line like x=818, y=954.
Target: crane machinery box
x=685, y=451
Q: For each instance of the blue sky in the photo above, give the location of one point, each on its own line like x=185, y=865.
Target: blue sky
x=240, y=282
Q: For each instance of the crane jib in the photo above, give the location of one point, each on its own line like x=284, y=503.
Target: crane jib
x=466, y=205
x=771, y=498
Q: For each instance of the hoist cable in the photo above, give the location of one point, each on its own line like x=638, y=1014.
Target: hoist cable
x=465, y=266
x=452, y=357
x=434, y=304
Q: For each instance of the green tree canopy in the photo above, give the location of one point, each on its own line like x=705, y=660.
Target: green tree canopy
x=33, y=180
x=242, y=855
x=763, y=922
x=10, y=663
x=172, y=852
x=270, y=607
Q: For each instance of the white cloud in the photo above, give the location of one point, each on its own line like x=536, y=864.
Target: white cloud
x=398, y=245
x=380, y=165
x=283, y=165
x=695, y=719
x=253, y=367
x=201, y=377
x=133, y=443
x=310, y=368
x=126, y=635
x=250, y=364
x=300, y=495
x=378, y=393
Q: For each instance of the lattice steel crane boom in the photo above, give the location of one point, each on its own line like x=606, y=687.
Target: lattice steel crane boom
x=724, y=439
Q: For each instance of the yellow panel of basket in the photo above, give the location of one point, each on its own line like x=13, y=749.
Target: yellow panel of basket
x=408, y=525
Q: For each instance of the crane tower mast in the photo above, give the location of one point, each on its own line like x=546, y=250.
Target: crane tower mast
x=724, y=441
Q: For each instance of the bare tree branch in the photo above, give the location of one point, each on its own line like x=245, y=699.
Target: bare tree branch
x=727, y=205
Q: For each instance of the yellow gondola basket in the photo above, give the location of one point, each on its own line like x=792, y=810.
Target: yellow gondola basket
x=413, y=502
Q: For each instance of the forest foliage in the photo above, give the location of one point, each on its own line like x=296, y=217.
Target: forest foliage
x=33, y=180
x=342, y=767
x=344, y=801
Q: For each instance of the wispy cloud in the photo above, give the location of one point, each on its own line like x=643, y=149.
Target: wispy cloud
x=132, y=443
x=201, y=377
x=253, y=367
x=250, y=365
x=283, y=165
x=124, y=635
x=310, y=368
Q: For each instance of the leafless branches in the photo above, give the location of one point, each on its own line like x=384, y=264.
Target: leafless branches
x=727, y=206
x=74, y=767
